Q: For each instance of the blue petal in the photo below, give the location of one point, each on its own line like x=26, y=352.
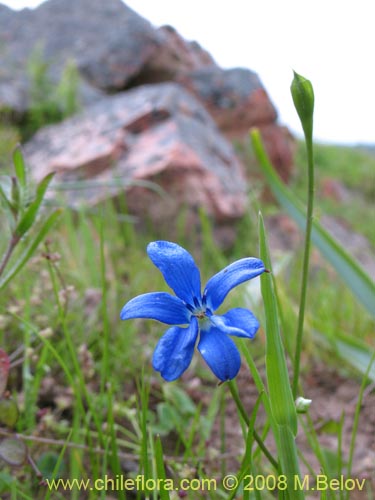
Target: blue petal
x=178, y=268
x=222, y=283
x=158, y=305
x=239, y=322
x=174, y=351
x=220, y=353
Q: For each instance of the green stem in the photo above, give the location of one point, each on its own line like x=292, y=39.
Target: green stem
x=306, y=259
x=12, y=245
x=245, y=416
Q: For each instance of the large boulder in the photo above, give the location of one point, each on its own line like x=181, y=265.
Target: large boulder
x=157, y=133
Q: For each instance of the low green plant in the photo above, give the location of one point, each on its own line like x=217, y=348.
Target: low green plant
x=49, y=101
x=21, y=207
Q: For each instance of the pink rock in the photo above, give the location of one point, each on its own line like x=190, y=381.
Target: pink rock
x=157, y=133
x=237, y=101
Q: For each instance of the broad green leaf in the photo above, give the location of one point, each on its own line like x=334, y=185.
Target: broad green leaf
x=30, y=214
x=281, y=399
x=4, y=370
x=27, y=253
x=348, y=269
x=8, y=412
x=13, y=451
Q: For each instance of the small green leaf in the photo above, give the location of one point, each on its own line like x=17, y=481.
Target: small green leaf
x=50, y=465
x=179, y=399
x=30, y=214
x=13, y=451
x=8, y=412
x=19, y=166
x=16, y=195
x=6, y=480
x=6, y=202
x=4, y=370
x=27, y=253
x=330, y=427
x=167, y=418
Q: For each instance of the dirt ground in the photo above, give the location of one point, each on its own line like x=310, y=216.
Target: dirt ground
x=332, y=395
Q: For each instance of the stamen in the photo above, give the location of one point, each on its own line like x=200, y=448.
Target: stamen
x=191, y=308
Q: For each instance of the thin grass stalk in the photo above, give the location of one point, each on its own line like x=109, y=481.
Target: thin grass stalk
x=114, y=459
x=303, y=97
x=105, y=360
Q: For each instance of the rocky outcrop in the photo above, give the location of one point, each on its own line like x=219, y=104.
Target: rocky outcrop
x=157, y=133
x=151, y=130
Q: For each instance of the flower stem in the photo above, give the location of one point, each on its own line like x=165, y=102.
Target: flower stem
x=306, y=260
x=245, y=416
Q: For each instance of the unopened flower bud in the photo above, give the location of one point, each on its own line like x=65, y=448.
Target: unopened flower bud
x=302, y=404
x=303, y=98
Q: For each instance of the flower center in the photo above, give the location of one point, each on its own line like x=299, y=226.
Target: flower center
x=200, y=314
x=199, y=309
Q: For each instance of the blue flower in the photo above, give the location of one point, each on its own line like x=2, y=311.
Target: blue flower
x=175, y=349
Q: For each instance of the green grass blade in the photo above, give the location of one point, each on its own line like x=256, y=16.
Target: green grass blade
x=281, y=399
x=28, y=252
x=58, y=464
x=114, y=458
x=348, y=268
x=160, y=469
